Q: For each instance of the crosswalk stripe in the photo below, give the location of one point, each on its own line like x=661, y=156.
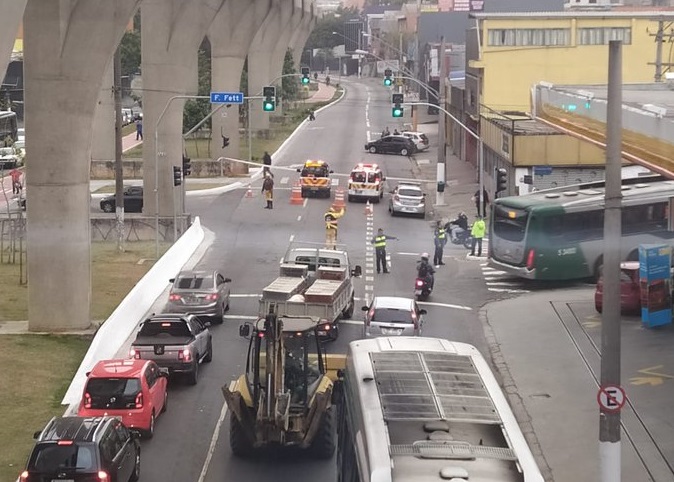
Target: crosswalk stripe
x=506, y=290
x=285, y=179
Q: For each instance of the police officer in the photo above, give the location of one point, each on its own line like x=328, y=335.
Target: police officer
x=379, y=242
x=331, y=223
x=440, y=239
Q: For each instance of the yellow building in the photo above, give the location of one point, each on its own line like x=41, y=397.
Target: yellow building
x=517, y=50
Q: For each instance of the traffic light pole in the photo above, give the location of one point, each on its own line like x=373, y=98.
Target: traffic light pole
x=480, y=145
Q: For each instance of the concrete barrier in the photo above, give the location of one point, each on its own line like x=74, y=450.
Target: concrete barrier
x=126, y=317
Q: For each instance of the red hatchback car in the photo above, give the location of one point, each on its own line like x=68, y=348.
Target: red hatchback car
x=134, y=390
x=630, y=290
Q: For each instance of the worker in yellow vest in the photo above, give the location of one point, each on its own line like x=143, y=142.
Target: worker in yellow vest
x=477, y=232
x=331, y=225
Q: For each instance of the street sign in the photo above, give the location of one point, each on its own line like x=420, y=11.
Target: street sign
x=542, y=170
x=226, y=97
x=611, y=398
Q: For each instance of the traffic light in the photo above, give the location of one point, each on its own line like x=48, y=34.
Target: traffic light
x=501, y=180
x=187, y=165
x=269, y=103
x=177, y=176
x=388, y=78
x=305, y=75
x=397, y=100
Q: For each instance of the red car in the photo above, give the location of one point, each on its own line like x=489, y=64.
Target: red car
x=134, y=390
x=630, y=291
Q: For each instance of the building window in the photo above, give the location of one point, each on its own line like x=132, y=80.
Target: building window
x=602, y=35
x=524, y=37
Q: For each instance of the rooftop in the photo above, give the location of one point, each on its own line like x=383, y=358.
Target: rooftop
x=664, y=15
x=634, y=95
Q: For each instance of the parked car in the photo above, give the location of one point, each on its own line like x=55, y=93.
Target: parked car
x=201, y=293
x=174, y=341
x=134, y=390
x=84, y=449
x=407, y=198
x=392, y=145
x=630, y=290
x=419, y=138
x=393, y=316
x=127, y=116
x=133, y=200
x=9, y=158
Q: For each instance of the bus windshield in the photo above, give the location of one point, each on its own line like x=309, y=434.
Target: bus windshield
x=510, y=223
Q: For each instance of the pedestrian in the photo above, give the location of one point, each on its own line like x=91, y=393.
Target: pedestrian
x=15, y=174
x=476, y=197
x=379, y=242
x=268, y=190
x=139, y=130
x=395, y=132
x=477, y=232
x=266, y=160
x=312, y=117
x=315, y=75
x=331, y=225
x=440, y=239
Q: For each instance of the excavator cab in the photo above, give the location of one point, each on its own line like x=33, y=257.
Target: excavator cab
x=285, y=397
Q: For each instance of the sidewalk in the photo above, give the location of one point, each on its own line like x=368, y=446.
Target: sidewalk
x=545, y=346
x=324, y=93
x=129, y=142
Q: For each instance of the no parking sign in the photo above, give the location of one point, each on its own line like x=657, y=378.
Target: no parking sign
x=611, y=398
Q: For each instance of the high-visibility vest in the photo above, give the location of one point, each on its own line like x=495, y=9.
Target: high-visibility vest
x=330, y=221
x=380, y=241
x=441, y=233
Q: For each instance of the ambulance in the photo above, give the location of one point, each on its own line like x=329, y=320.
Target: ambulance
x=315, y=178
x=366, y=182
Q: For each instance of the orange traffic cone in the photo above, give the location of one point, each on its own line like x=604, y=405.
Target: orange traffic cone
x=296, y=194
x=249, y=192
x=368, y=208
x=339, y=199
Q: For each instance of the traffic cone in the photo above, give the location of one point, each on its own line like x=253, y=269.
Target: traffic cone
x=339, y=199
x=368, y=208
x=296, y=194
x=249, y=192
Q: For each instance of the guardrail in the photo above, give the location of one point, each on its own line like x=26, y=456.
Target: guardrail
x=121, y=324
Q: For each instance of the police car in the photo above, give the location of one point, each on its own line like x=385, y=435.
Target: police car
x=315, y=178
x=366, y=182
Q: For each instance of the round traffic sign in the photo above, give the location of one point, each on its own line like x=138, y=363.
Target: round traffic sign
x=611, y=398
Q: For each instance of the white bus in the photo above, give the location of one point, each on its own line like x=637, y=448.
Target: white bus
x=425, y=409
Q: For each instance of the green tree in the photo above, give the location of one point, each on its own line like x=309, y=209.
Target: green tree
x=130, y=53
x=322, y=36
x=195, y=110
x=289, y=85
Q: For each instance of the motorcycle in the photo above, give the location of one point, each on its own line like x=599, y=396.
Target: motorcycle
x=464, y=238
x=422, y=289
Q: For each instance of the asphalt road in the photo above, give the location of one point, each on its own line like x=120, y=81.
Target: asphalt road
x=191, y=441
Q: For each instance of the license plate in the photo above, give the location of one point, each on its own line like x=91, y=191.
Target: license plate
x=391, y=331
x=407, y=210
x=159, y=349
x=322, y=333
x=417, y=292
x=62, y=480
x=358, y=191
x=314, y=189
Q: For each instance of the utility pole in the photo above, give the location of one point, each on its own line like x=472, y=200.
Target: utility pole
x=119, y=167
x=609, y=417
x=442, y=160
x=660, y=35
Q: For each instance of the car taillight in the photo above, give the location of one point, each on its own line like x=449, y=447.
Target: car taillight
x=174, y=297
x=212, y=296
x=87, y=400
x=185, y=355
x=103, y=476
x=24, y=476
x=133, y=353
x=531, y=259
x=139, y=400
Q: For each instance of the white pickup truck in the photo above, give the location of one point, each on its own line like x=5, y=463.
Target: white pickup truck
x=314, y=282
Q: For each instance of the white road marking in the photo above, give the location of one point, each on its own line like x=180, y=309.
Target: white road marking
x=493, y=271
x=284, y=180
x=351, y=322
x=306, y=200
x=369, y=139
x=506, y=290
x=368, y=288
x=423, y=161
x=500, y=283
x=408, y=254
x=369, y=278
x=232, y=295
x=335, y=181
x=292, y=236
x=214, y=439
x=299, y=218
x=445, y=305
x=241, y=317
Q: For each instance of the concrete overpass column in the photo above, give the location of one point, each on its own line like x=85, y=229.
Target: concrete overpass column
x=284, y=40
x=171, y=33
x=103, y=136
x=303, y=33
x=231, y=34
x=261, y=54
x=67, y=48
x=12, y=12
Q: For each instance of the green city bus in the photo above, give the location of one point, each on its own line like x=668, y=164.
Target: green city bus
x=558, y=234
x=9, y=128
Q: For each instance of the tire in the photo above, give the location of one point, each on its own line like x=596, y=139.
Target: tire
x=323, y=445
x=334, y=333
x=373, y=150
x=304, y=193
x=165, y=406
x=107, y=207
x=376, y=200
x=468, y=242
x=349, y=198
x=149, y=433
x=238, y=442
x=193, y=376
x=135, y=476
x=209, y=353
x=348, y=312
x=404, y=151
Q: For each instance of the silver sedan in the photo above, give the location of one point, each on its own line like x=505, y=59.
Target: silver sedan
x=200, y=293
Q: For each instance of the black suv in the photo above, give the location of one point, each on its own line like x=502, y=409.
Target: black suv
x=392, y=145
x=84, y=449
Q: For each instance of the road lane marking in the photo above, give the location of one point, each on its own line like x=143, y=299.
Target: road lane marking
x=285, y=179
x=241, y=317
x=252, y=295
x=292, y=237
x=409, y=254
x=299, y=218
x=654, y=378
x=505, y=290
x=306, y=200
x=445, y=305
x=350, y=322
x=214, y=438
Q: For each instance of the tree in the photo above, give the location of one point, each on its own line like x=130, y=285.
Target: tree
x=322, y=36
x=130, y=53
x=289, y=85
x=196, y=110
